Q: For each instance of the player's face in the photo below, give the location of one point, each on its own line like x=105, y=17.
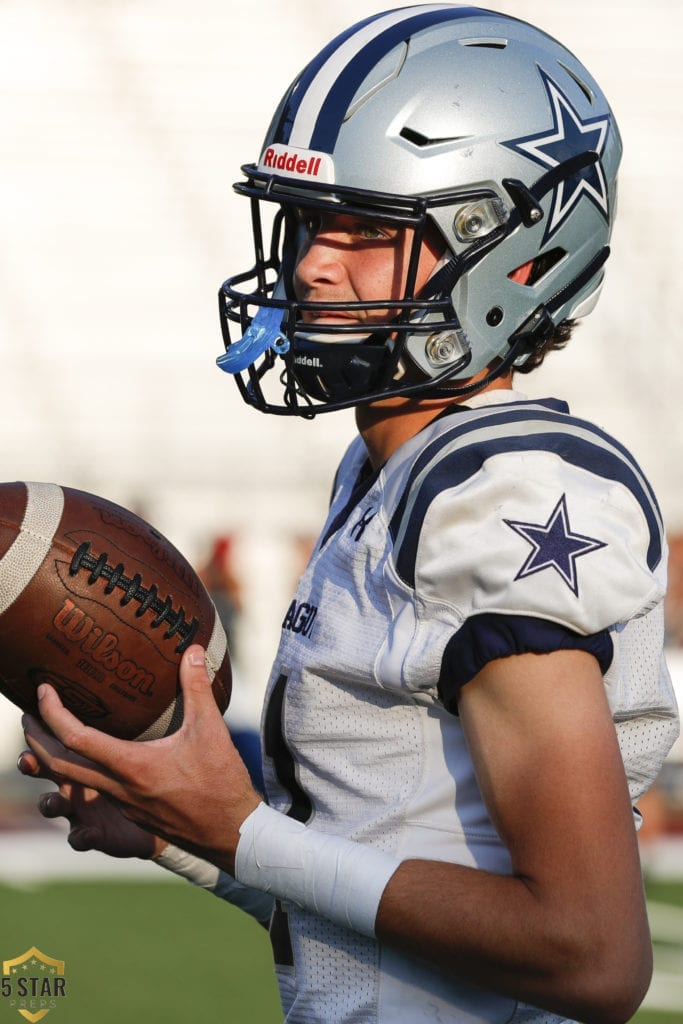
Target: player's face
x=349, y=259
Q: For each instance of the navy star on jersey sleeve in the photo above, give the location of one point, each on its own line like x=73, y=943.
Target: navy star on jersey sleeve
x=522, y=528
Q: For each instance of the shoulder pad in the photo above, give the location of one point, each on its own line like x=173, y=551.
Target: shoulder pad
x=523, y=509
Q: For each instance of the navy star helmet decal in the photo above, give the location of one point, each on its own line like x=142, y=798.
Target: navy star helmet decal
x=554, y=545
x=568, y=136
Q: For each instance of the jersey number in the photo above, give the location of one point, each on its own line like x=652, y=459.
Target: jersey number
x=300, y=807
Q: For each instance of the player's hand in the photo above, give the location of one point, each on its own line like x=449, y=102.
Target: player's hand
x=191, y=788
x=95, y=823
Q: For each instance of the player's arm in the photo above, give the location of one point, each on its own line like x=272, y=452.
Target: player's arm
x=568, y=929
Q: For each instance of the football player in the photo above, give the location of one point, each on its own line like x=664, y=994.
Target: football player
x=469, y=695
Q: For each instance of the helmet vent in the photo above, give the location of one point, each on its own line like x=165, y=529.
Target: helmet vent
x=418, y=139
x=484, y=43
x=583, y=86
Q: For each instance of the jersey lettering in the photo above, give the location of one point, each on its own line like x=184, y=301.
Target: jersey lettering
x=300, y=618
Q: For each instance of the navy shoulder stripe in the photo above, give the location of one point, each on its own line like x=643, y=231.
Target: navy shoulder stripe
x=459, y=453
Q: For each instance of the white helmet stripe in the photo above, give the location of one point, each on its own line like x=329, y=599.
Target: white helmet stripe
x=331, y=71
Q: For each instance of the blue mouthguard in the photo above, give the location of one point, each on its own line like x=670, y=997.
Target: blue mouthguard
x=263, y=333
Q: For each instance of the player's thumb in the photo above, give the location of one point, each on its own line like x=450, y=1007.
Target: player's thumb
x=195, y=682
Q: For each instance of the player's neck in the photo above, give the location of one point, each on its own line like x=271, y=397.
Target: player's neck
x=385, y=426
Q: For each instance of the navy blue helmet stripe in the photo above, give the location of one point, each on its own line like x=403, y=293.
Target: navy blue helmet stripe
x=339, y=98
x=298, y=89
x=334, y=105
x=600, y=455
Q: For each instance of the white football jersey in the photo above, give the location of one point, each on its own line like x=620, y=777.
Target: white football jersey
x=499, y=529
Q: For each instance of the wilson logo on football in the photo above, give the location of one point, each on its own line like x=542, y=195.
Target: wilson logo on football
x=298, y=163
x=103, y=648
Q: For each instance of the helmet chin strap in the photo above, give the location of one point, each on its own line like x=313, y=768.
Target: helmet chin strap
x=500, y=368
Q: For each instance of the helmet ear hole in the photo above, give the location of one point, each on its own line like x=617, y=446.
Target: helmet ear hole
x=532, y=271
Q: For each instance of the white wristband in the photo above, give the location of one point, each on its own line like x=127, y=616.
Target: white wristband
x=254, y=902
x=328, y=875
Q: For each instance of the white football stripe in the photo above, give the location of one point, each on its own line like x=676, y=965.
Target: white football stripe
x=158, y=729
x=18, y=566
x=216, y=647
x=317, y=92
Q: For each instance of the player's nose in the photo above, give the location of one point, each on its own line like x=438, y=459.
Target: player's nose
x=320, y=262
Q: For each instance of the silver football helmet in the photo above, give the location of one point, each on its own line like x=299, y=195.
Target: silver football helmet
x=467, y=119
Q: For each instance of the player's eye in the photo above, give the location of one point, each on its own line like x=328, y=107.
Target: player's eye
x=371, y=232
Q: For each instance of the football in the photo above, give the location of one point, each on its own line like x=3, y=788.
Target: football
x=96, y=602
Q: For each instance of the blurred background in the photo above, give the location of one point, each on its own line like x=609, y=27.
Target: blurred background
x=122, y=128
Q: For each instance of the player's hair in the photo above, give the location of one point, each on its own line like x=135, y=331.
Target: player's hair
x=556, y=341
x=559, y=338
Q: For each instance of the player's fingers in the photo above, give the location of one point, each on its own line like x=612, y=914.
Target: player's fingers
x=63, y=724
x=28, y=764
x=196, y=684
x=84, y=838
x=54, y=805
x=61, y=763
x=90, y=747
x=47, y=751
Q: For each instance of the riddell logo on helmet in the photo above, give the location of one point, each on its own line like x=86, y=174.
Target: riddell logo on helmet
x=307, y=361
x=299, y=163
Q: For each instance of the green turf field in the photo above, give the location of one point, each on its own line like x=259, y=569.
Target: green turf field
x=147, y=953
x=142, y=953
